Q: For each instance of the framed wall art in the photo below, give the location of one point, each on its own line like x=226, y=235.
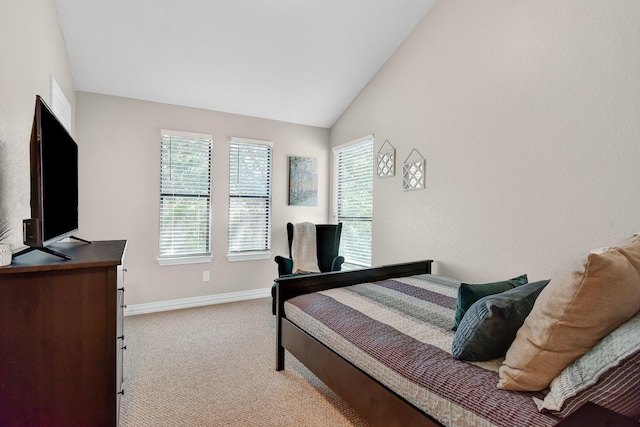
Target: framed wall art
x=303, y=181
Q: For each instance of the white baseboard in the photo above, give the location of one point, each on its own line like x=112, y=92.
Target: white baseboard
x=176, y=304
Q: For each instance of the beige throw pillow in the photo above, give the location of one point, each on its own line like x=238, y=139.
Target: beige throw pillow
x=572, y=314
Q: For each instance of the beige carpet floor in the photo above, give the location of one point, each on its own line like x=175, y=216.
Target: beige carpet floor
x=214, y=366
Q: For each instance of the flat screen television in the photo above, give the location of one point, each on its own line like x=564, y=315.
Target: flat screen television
x=54, y=183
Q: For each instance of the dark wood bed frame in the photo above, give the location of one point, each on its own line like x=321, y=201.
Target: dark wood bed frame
x=373, y=401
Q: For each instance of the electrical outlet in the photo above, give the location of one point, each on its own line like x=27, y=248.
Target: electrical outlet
x=206, y=276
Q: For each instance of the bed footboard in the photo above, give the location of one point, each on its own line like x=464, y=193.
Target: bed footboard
x=289, y=287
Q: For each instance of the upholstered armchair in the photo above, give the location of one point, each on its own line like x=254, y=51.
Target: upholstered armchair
x=327, y=243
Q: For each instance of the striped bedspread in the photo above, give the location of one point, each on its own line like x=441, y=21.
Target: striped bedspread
x=399, y=332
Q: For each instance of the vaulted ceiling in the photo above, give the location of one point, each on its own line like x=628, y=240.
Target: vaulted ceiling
x=299, y=61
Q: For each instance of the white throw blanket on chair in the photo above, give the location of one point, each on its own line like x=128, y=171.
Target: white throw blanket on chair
x=304, y=251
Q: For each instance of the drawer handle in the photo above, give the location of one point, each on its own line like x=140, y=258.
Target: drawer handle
x=121, y=392
x=124, y=348
x=124, y=306
x=121, y=337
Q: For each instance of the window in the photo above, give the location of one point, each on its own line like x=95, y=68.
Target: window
x=185, y=198
x=249, y=199
x=353, y=200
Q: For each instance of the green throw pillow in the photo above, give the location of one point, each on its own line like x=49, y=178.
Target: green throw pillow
x=470, y=293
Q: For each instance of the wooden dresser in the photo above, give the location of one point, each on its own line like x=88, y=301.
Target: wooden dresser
x=61, y=336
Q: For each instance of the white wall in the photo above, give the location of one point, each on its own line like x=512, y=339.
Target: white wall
x=31, y=51
x=119, y=142
x=528, y=115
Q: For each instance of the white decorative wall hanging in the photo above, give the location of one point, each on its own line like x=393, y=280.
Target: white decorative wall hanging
x=386, y=161
x=413, y=171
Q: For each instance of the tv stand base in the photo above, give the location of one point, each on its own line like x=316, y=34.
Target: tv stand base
x=49, y=250
x=43, y=249
x=80, y=240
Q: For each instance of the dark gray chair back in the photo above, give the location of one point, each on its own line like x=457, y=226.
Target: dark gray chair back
x=327, y=242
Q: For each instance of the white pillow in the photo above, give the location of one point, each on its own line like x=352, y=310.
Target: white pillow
x=586, y=371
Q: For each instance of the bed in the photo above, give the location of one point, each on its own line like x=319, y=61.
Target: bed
x=410, y=379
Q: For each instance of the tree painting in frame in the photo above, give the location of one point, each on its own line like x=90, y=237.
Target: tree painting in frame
x=303, y=181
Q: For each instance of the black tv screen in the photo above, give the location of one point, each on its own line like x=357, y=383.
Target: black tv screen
x=54, y=180
x=59, y=213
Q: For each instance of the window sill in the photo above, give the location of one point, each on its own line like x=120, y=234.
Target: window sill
x=184, y=260
x=248, y=256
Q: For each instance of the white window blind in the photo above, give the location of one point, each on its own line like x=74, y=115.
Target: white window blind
x=353, y=200
x=185, y=194
x=249, y=196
